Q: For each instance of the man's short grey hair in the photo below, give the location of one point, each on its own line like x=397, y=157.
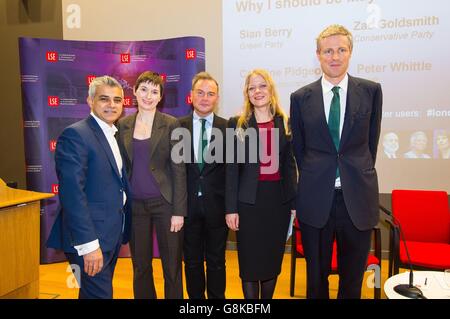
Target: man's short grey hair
x=390, y=134
x=204, y=76
x=103, y=80
x=416, y=135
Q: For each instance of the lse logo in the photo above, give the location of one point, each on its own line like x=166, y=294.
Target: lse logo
x=163, y=76
x=53, y=101
x=125, y=58
x=189, y=99
x=127, y=101
x=90, y=78
x=51, y=56
x=191, y=54
x=52, y=145
x=55, y=188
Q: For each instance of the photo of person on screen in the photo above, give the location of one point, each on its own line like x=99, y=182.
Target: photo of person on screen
x=442, y=144
x=390, y=145
x=418, y=145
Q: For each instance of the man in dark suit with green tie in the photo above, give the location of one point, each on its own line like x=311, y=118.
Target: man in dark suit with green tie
x=205, y=230
x=336, y=127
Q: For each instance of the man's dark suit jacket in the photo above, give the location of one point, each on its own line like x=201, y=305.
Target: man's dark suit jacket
x=318, y=159
x=242, y=179
x=90, y=190
x=212, y=178
x=170, y=176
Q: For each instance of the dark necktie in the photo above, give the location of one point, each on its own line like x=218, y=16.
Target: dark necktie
x=202, y=142
x=334, y=119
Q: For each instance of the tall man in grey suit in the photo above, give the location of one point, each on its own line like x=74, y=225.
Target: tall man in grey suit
x=205, y=232
x=336, y=126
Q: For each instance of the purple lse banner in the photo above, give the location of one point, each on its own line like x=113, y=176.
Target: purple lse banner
x=55, y=75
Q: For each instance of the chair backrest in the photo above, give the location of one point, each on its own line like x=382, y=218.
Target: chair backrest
x=423, y=215
x=298, y=235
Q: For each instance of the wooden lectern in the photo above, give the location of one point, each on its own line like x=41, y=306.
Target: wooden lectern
x=19, y=242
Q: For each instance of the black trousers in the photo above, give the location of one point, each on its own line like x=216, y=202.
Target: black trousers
x=205, y=238
x=157, y=212
x=353, y=248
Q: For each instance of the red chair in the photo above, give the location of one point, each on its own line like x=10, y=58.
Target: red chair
x=425, y=222
x=297, y=252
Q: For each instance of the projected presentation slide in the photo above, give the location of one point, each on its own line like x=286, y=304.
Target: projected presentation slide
x=402, y=44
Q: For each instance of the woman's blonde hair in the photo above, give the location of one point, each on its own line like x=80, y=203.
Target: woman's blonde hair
x=274, y=108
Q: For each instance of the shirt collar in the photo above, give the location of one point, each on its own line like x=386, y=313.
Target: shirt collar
x=209, y=119
x=327, y=85
x=105, y=126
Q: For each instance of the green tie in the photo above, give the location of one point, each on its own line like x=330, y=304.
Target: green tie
x=202, y=142
x=334, y=118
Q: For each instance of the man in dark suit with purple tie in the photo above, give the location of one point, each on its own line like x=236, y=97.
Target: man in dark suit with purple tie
x=336, y=127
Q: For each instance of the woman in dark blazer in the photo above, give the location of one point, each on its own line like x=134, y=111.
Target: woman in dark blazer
x=260, y=193
x=158, y=189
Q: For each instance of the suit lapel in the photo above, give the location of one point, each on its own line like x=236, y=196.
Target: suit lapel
x=353, y=103
x=278, y=123
x=252, y=123
x=209, y=166
x=104, y=143
x=190, y=127
x=317, y=107
x=128, y=129
x=157, y=130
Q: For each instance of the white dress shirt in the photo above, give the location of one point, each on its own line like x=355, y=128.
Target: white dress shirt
x=327, y=97
x=109, y=132
x=197, y=127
